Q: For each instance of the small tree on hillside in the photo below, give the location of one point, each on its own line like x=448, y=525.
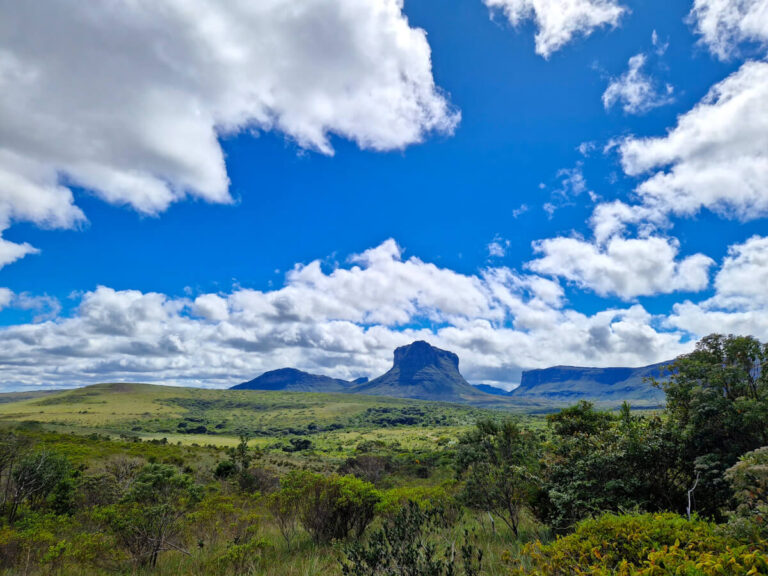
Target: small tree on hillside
x=148, y=520
x=499, y=463
x=37, y=476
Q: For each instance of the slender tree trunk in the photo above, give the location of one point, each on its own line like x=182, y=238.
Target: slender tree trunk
x=689, y=509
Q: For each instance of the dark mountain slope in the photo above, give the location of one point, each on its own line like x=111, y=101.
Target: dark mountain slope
x=292, y=380
x=425, y=372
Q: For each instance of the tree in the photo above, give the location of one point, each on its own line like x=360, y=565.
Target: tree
x=597, y=462
x=240, y=458
x=148, y=519
x=499, y=465
x=12, y=449
x=580, y=419
x=36, y=476
x=241, y=454
x=717, y=408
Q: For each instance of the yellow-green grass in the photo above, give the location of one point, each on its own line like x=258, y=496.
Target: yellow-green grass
x=335, y=423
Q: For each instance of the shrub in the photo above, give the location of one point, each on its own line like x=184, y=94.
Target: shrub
x=331, y=507
x=426, y=496
x=298, y=445
x=242, y=558
x=148, y=519
x=225, y=469
x=642, y=545
x=258, y=480
x=406, y=544
x=499, y=464
x=37, y=477
x=749, y=481
x=597, y=463
x=284, y=506
x=368, y=467
x=29, y=541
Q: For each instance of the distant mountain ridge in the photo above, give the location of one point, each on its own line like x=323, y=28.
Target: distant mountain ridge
x=419, y=371
x=573, y=383
x=422, y=371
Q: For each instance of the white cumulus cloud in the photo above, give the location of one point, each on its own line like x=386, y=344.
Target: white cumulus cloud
x=559, y=21
x=6, y=296
x=344, y=322
x=11, y=251
x=129, y=99
x=715, y=158
x=636, y=91
x=626, y=268
x=741, y=282
x=724, y=24
x=740, y=302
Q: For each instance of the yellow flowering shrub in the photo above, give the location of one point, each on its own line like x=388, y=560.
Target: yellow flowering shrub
x=643, y=545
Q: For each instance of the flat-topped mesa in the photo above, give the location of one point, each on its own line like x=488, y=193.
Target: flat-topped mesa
x=422, y=371
x=597, y=384
x=413, y=357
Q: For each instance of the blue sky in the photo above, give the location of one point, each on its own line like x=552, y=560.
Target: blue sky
x=528, y=150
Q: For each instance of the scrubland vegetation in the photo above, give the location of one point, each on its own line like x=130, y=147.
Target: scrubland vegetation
x=118, y=480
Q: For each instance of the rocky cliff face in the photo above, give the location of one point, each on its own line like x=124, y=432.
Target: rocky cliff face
x=422, y=371
x=414, y=357
x=576, y=383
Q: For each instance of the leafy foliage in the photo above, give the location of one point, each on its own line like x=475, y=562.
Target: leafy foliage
x=407, y=545
x=717, y=407
x=749, y=480
x=329, y=507
x=148, y=518
x=597, y=462
x=643, y=545
x=38, y=476
x=499, y=463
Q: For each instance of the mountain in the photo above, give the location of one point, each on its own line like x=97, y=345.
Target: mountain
x=605, y=384
x=424, y=372
x=292, y=380
x=494, y=390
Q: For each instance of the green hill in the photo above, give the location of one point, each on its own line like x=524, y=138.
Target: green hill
x=218, y=416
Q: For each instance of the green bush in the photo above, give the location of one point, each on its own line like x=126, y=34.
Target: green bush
x=426, y=496
x=40, y=477
x=749, y=481
x=407, y=544
x=643, y=545
x=148, y=519
x=499, y=464
x=330, y=507
x=596, y=463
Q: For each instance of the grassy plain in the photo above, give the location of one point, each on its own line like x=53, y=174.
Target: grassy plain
x=333, y=422
x=95, y=425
